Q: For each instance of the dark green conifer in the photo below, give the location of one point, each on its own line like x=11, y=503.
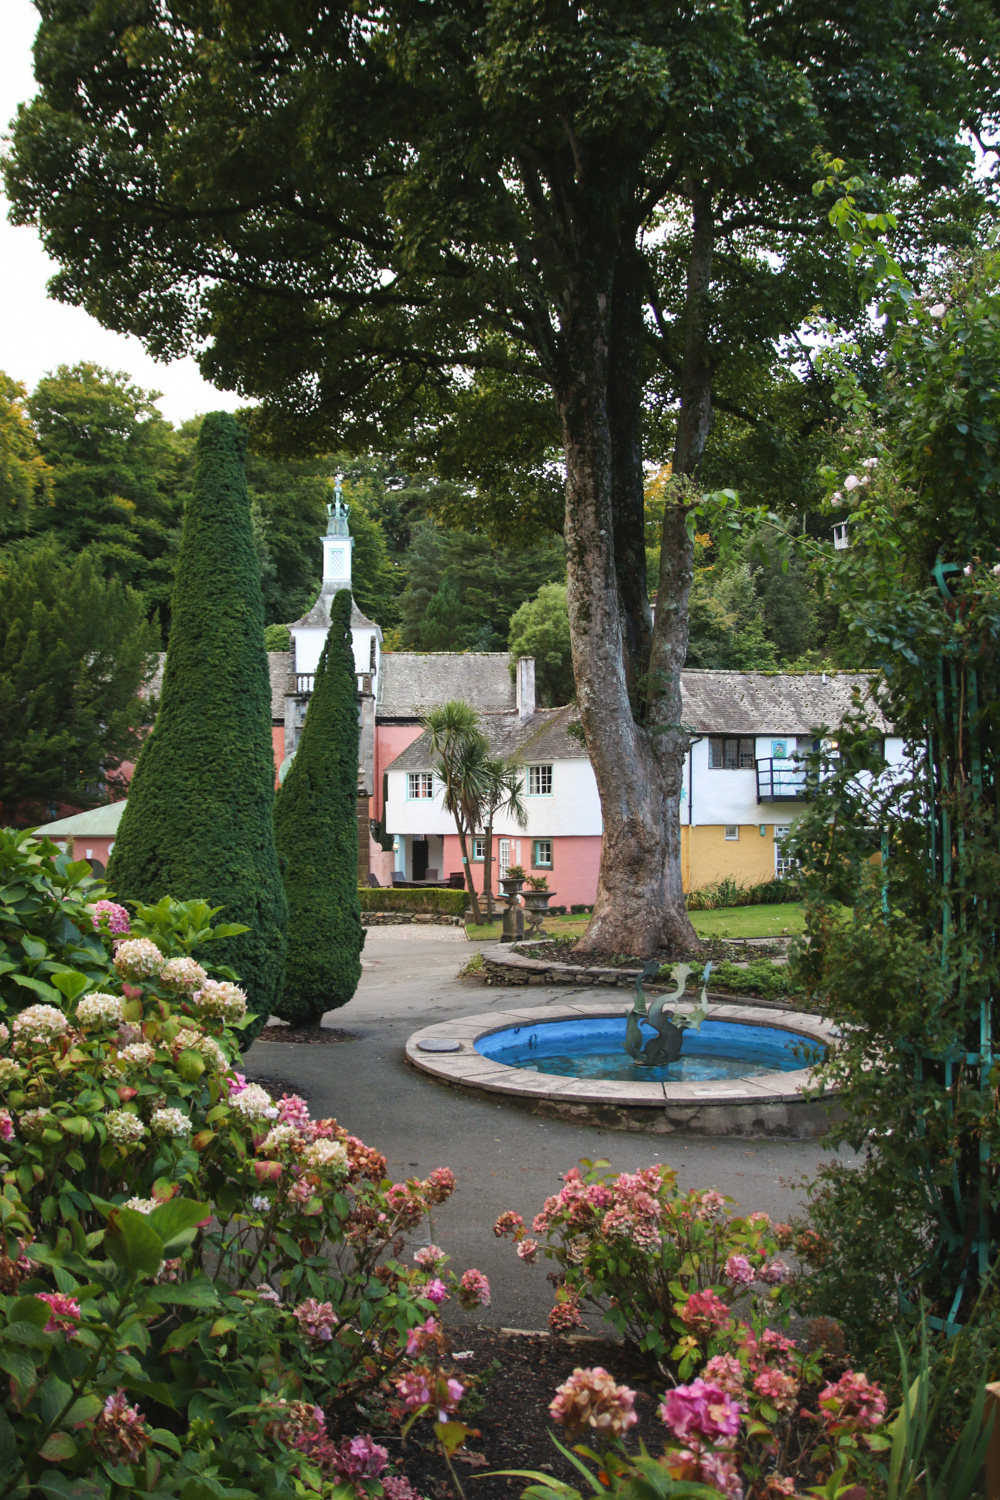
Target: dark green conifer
x=199, y=814
x=316, y=828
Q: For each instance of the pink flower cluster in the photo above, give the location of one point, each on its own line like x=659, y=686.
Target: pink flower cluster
x=64, y=1313
x=591, y=1398
x=316, y=1320
x=565, y=1316
x=704, y=1312
x=853, y=1403
x=117, y=917
x=700, y=1412
x=6, y=1126
x=120, y=1432
x=473, y=1290
x=429, y=1257
x=424, y=1336
x=421, y=1387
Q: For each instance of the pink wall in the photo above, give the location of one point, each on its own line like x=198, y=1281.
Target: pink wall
x=91, y=848
x=572, y=878
x=390, y=740
x=278, y=745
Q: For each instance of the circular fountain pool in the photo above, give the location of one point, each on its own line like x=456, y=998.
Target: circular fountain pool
x=594, y=1047
x=743, y=1074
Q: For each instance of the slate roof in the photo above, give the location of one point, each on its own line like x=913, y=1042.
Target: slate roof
x=714, y=703
x=761, y=703
x=410, y=683
x=279, y=664
x=542, y=736
x=97, y=822
x=318, y=617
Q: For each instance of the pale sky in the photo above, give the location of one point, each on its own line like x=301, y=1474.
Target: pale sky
x=37, y=334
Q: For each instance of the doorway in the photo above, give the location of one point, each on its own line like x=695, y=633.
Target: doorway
x=420, y=860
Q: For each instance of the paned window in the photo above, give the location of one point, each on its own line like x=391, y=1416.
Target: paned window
x=731, y=830
x=419, y=785
x=541, y=854
x=727, y=752
x=539, y=781
x=479, y=851
x=783, y=863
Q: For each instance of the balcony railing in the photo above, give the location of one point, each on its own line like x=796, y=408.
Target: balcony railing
x=301, y=684
x=782, y=781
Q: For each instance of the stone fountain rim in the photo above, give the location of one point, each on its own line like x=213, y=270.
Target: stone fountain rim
x=468, y=1068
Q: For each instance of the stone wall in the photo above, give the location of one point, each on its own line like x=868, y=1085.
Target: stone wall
x=403, y=918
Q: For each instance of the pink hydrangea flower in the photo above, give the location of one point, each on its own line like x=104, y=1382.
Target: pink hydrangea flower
x=120, y=1432
x=700, y=1410
x=6, y=1126
x=565, y=1316
x=435, y=1291
x=725, y=1371
x=774, y=1273
x=853, y=1403
x=590, y=1398
x=117, y=916
x=704, y=1312
x=421, y=1337
x=64, y=1313
x=739, y=1269
x=429, y=1257
x=440, y=1185
x=528, y=1251
x=293, y=1110
x=419, y=1387
x=360, y=1458
x=778, y=1388
x=395, y=1487
x=316, y=1320
x=508, y=1223
x=474, y=1290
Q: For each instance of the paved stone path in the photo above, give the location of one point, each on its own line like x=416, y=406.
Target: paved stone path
x=503, y=1156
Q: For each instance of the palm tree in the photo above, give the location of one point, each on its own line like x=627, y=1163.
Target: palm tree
x=462, y=754
x=503, y=795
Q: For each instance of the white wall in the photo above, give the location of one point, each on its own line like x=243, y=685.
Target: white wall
x=308, y=646
x=574, y=807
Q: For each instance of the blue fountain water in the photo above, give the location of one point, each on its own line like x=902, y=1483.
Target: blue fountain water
x=594, y=1048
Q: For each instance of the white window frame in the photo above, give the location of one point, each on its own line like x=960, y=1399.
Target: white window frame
x=420, y=779
x=730, y=831
x=782, y=864
x=539, y=864
x=539, y=775
x=479, y=849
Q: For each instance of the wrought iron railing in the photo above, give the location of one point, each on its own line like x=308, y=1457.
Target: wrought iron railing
x=782, y=781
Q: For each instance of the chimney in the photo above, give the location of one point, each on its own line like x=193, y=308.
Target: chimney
x=525, y=687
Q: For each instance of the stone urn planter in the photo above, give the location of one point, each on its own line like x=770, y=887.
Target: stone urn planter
x=511, y=884
x=536, y=906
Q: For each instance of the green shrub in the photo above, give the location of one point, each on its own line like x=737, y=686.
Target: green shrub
x=772, y=981
x=428, y=900
x=726, y=893
x=198, y=818
x=171, y=1232
x=316, y=830
x=277, y=638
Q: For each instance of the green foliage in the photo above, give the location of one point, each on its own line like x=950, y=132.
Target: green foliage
x=198, y=820
x=115, y=466
x=75, y=651
x=728, y=892
x=24, y=474
x=462, y=590
x=540, y=628
x=220, y=1257
x=427, y=899
x=728, y=630
x=316, y=832
x=277, y=638
x=759, y=977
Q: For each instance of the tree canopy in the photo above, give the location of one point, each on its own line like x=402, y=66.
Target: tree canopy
x=421, y=213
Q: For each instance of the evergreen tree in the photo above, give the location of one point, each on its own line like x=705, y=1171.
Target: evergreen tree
x=199, y=814
x=316, y=828
x=540, y=628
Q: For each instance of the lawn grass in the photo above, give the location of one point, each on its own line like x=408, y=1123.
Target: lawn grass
x=734, y=922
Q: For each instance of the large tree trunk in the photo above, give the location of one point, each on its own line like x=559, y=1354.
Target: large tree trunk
x=640, y=904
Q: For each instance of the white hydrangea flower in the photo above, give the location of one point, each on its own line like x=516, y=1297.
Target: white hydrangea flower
x=40, y=1022
x=196, y=1041
x=255, y=1103
x=142, y=1205
x=183, y=975
x=260, y=1204
x=870, y=463
x=937, y=311
x=99, y=1010
x=138, y=958
x=836, y=498
x=123, y=1126
x=171, y=1122
x=9, y=1071
x=327, y=1156
x=996, y=570
x=34, y=1121
x=281, y=1137
x=851, y=482
x=140, y=1054
x=222, y=1000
